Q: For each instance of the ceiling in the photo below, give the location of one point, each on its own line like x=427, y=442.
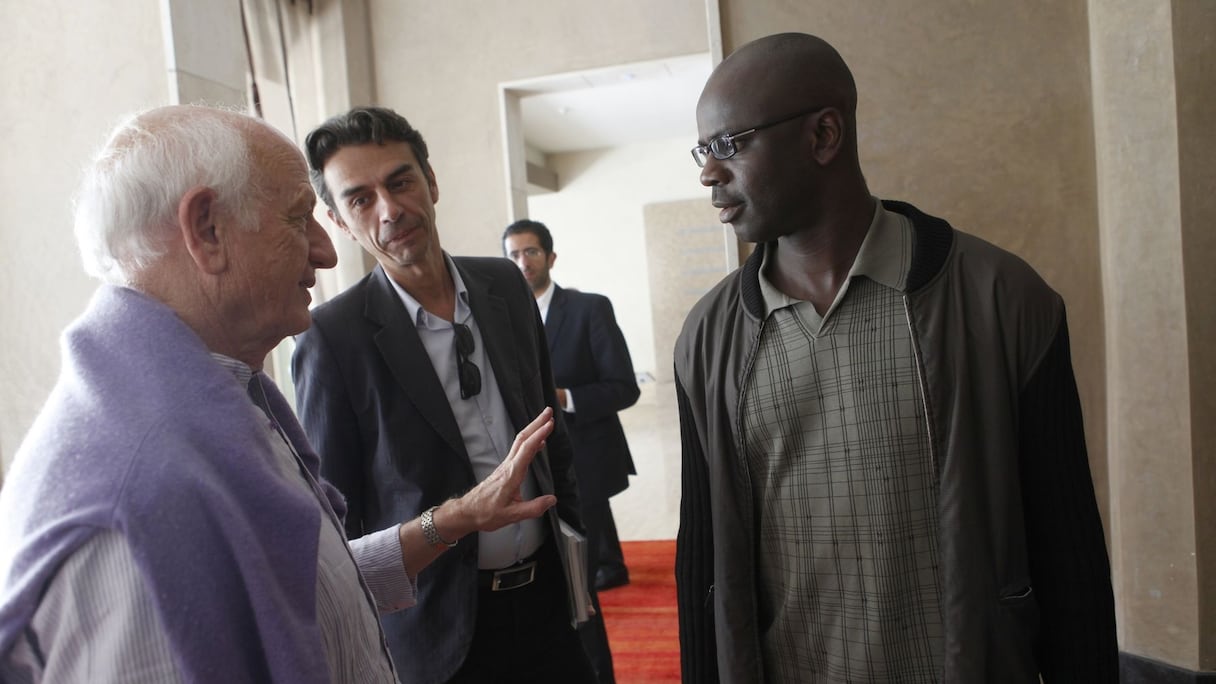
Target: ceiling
x=613, y=106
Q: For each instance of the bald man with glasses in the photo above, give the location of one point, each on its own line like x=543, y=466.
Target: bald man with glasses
x=884, y=465
x=411, y=384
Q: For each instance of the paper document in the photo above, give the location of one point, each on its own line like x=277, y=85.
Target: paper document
x=576, y=573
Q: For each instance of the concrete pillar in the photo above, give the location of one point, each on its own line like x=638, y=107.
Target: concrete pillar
x=204, y=52
x=1152, y=91
x=343, y=79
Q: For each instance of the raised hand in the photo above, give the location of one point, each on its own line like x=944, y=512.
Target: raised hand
x=496, y=502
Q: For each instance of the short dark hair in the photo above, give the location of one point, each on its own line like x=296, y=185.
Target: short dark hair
x=359, y=126
x=529, y=226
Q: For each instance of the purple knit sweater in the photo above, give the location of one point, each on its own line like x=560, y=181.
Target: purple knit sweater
x=146, y=435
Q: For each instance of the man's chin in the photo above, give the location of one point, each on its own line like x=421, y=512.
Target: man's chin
x=300, y=325
x=745, y=233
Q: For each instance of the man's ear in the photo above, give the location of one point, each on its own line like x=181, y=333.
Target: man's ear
x=197, y=219
x=552, y=258
x=432, y=184
x=827, y=135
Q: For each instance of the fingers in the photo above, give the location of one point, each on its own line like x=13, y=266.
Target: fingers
x=543, y=422
x=532, y=437
x=536, y=507
x=496, y=501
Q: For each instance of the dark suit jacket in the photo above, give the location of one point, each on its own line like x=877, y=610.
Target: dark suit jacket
x=591, y=360
x=375, y=411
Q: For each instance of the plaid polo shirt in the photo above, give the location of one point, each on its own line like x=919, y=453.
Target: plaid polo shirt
x=837, y=448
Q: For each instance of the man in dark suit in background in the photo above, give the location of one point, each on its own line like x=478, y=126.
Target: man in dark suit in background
x=411, y=384
x=595, y=380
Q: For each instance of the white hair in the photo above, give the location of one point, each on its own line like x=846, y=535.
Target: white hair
x=126, y=207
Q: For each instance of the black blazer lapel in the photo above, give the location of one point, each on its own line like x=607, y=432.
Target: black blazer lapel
x=405, y=356
x=555, y=320
x=493, y=315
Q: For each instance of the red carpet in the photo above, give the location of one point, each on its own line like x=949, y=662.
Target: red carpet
x=640, y=617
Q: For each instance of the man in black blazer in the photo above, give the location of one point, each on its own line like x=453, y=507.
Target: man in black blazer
x=411, y=385
x=595, y=380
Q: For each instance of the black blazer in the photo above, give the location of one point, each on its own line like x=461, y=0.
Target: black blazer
x=591, y=360
x=375, y=411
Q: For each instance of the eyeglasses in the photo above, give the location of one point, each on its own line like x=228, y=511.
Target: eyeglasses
x=723, y=146
x=530, y=252
x=466, y=370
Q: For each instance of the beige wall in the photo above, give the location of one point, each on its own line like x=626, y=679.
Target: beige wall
x=1153, y=95
x=687, y=250
x=1194, y=32
x=440, y=63
x=1141, y=249
x=978, y=112
x=70, y=70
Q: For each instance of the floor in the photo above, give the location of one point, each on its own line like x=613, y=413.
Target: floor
x=650, y=508
x=641, y=618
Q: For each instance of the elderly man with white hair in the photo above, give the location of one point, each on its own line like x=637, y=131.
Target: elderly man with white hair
x=164, y=519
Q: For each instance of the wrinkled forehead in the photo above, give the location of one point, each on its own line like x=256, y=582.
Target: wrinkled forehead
x=273, y=148
x=278, y=163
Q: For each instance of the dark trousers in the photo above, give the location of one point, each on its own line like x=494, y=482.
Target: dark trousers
x=592, y=632
x=523, y=635
x=603, y=545
x=612, y=559
x=595, y=639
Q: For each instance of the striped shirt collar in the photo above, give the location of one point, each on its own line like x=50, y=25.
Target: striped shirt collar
x=239, y=369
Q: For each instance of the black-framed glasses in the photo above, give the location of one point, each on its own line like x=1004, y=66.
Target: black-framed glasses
x=467, y=371
x=723, y=146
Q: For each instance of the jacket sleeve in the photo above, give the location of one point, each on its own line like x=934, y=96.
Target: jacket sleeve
x=1069, y=567
x=695, y=556
x=615, y=387
x=324, y=407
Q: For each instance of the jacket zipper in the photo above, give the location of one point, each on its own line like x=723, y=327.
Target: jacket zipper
x=748, y=510
x=924, y=388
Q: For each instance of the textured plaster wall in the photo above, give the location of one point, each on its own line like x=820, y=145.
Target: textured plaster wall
x=979, y=112
x=440, y=64
x=70, y=70
x=1153, y=79
x=1194, y=29
x=1137, y=160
